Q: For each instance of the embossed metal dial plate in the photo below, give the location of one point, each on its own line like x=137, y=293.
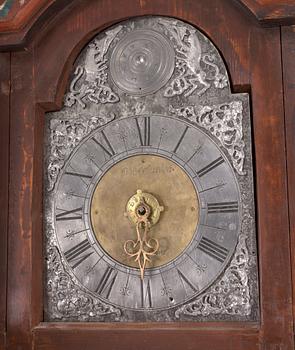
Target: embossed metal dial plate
x=150, y=87
x=142, y=62
x=211, y=246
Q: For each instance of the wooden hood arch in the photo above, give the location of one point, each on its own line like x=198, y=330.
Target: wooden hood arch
x=36, y=82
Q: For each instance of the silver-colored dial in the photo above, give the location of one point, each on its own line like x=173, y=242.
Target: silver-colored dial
x=215, y=236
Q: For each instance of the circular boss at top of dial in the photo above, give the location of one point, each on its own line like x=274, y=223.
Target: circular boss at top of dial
x=142, y=62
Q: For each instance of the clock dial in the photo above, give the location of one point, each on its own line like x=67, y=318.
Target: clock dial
x=191, y=178
x=164, y=179
x=149, y=205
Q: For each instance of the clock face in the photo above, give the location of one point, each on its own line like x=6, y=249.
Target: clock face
x=197, y=231
x=149, y=205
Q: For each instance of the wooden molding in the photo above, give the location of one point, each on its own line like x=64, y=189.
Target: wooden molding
x=4, y=184
x=271, y=12
x=19, y=16
x=288, y=49
x=16, y=30
x=15, y=33
x=39, y=78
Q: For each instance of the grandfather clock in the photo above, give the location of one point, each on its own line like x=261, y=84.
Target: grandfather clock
x=147, y=175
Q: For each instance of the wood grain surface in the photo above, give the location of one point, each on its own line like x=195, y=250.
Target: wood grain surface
x=271, y=12
x=39, y=77
x=288, y=53
x=16, y=32
x=25, y=18
x=4, y=183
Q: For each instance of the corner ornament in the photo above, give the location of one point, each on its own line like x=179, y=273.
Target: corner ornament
x=231, y=295
x=68, y=301
x=224, y=121
x=90, y=80
x=65, y=135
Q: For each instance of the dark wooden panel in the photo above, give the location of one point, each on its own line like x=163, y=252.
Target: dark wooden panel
x=26, y=20
x=21, y=269
x=245, y=47
x=18, y=31
x=288, y=53
x=14, y=14
x=271, y=187
x=39, y=79
x=272, y=12
x=4, y=183
x=145, y=336
x=224, y=23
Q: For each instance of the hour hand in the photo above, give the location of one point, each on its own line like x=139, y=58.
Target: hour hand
x=140, y=209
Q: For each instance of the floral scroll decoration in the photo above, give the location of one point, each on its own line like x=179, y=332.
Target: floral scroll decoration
x=66, y=300
x=194, y=72
x=224, y=121
x=231, y=294
x=65, y=135
x=90, y=80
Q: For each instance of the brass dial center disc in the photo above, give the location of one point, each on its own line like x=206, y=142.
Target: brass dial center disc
x=168, y=183
x=141, y=205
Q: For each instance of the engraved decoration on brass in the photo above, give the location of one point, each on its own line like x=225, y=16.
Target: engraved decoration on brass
x=143, y=203
x=143, y=209
x=142, y=62
x=168, y=183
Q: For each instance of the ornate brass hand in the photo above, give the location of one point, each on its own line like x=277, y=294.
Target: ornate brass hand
x=143, y=248
x=142, y=215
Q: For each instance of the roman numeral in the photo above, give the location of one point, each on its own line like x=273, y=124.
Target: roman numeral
x=145, y=135
x=146, y=295
x=108, y=149
x=220, y=185
x=213, y=249
x=106, y=283
x=74, y=254
x=224, y=207
x=74, y=214
x=198, y=150
x=210, y=166
x=180, y=140
x=186, y=283
x=79, y=175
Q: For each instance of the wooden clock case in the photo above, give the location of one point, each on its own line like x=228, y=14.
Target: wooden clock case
x=39, y=46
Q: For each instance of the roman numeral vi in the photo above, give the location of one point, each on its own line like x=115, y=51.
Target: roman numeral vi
x=146, y=295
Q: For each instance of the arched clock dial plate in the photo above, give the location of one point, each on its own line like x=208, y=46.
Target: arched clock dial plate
x=213, y=241
x=149, y=107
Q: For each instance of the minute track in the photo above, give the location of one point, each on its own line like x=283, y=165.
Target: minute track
x=204, y=133
x=146, y=144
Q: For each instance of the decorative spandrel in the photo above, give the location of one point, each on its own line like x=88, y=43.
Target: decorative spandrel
x=149, y=129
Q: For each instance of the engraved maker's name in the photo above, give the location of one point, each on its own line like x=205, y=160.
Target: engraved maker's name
x=135, y=171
